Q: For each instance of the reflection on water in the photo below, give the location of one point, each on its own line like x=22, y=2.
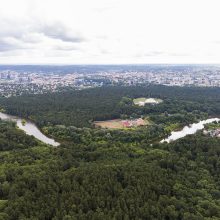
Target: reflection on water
x=29, y=128
x=192, y=129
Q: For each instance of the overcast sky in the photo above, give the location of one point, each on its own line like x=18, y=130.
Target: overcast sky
x=109, y=31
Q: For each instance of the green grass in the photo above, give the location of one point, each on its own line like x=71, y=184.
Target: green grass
x=136, y=101
x=212, y=126
x=3, y=204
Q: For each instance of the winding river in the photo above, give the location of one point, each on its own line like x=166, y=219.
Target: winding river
x=29, y=128
x=192, y=129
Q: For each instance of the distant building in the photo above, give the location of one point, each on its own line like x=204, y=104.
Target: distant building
x=126, y=124
x=212, y=133
x=133, y=123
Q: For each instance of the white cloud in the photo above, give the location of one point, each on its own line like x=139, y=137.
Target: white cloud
x=109, y=31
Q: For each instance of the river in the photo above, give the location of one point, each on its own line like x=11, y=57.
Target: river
x=192, y=129
x=30, y=129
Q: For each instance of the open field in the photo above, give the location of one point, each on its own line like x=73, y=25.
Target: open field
x=142, y=101
x=121, y=124
x=112, y=124
x=136, y=101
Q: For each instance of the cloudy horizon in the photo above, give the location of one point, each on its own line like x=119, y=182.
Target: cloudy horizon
x=109, y=31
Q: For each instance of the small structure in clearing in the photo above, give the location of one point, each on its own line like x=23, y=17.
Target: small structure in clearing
x=120, y=124
x=143, y=101
x=212, y=133
x=133, y=123
x=213, y=129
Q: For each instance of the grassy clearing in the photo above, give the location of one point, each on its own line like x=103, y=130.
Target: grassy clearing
x=212, y=126
x=111, y=124
x=136, y=101
x=143, y=101
x=121, y=124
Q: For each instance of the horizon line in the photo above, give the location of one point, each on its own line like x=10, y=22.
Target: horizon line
x=101, y=64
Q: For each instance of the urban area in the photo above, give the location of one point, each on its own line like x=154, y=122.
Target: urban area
x=33, y=80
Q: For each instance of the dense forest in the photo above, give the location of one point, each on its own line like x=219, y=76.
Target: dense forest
x=79, y=108
x=110, y=174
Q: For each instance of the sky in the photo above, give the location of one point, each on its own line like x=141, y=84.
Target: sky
x=109, y=31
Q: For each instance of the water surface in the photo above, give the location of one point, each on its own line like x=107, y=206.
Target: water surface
x=192, y=129
x=29, y=128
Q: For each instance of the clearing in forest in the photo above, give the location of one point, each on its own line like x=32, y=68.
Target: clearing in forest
x=121, y=124
x=143, y=101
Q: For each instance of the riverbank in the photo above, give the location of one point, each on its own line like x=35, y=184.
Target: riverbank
x=29, y=128
x=190, y=129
